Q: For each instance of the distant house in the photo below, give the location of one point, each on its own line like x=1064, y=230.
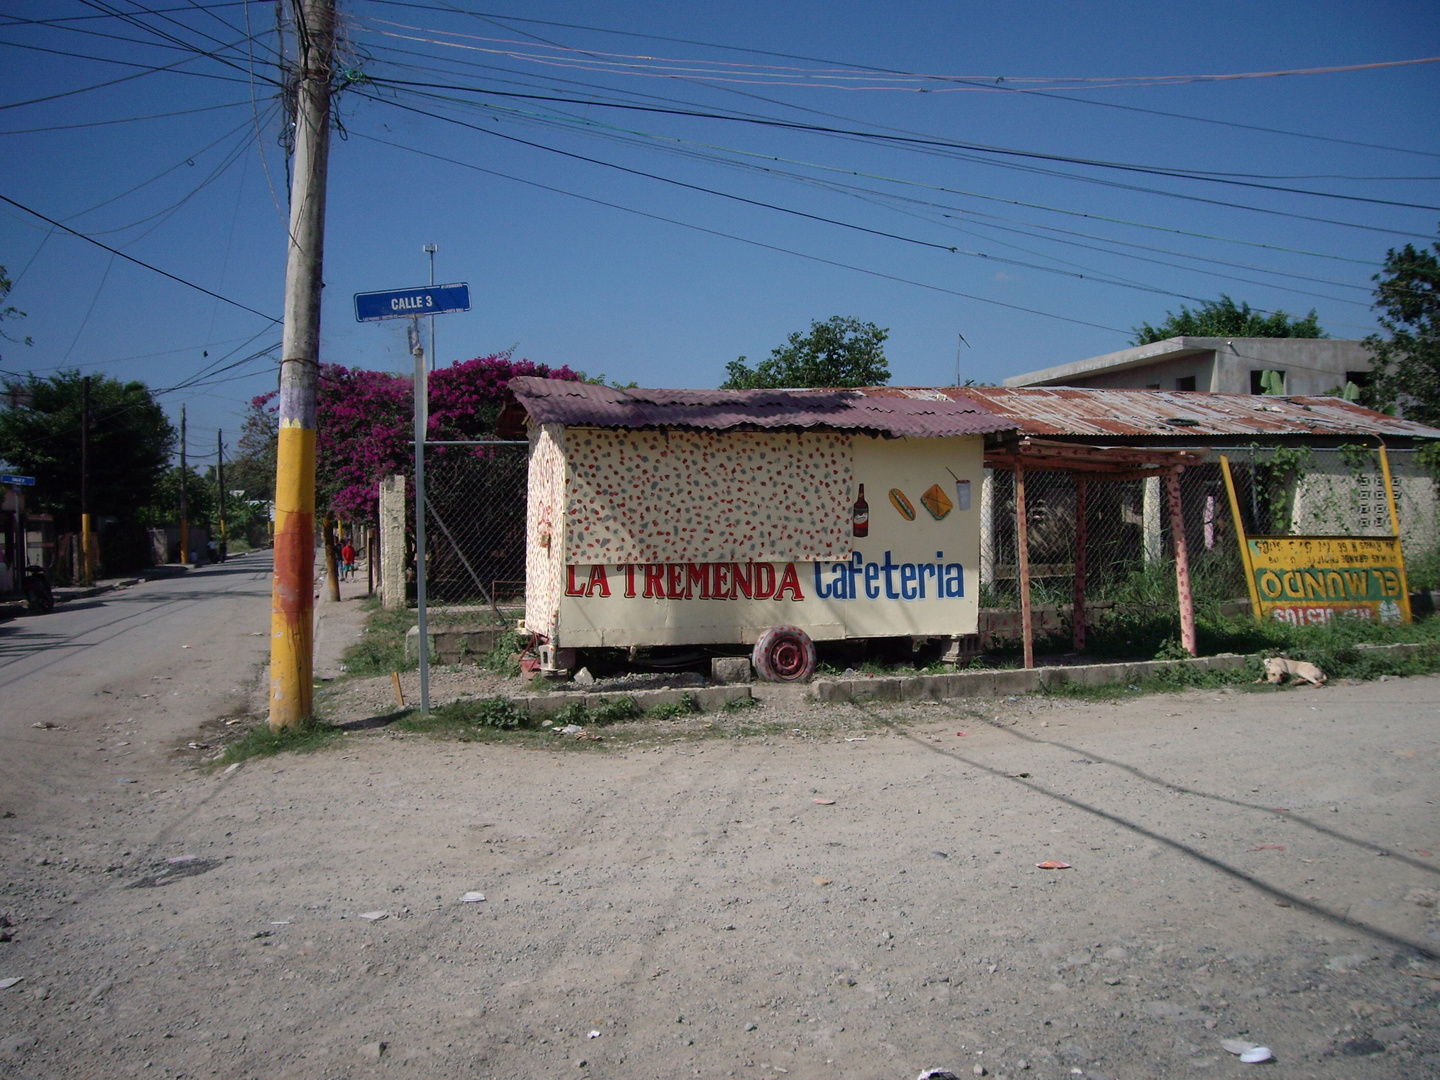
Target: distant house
x=1305, y=367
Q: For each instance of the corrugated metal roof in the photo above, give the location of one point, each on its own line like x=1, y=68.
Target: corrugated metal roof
x=555, y=401
x=1129, y=414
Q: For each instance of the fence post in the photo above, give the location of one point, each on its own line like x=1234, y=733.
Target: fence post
x=1182, y=564
x=392, y=542
x=1022, y=560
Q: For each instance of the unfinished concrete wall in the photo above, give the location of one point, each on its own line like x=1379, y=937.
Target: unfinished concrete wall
x=392, y=542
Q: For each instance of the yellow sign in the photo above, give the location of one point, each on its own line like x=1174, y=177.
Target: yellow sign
x=1310, y=580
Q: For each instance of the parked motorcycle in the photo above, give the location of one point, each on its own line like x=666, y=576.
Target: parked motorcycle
x=38, y=596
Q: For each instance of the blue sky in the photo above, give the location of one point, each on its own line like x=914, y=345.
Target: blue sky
x=672, y=185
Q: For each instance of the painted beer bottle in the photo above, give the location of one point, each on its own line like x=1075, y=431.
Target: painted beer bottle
x=860, y=518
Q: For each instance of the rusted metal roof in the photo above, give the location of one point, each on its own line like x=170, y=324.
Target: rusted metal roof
x=555, y=401
x=1130, y=415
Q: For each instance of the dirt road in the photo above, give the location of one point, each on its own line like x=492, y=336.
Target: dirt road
x=854, y=894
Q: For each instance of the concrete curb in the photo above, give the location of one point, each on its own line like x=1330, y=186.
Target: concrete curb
x=706, y=698
x=1009, y=681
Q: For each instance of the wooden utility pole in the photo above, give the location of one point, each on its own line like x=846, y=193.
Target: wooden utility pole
x=292, y=605
x=220, y=483
x=87, y=571
x=184, y=520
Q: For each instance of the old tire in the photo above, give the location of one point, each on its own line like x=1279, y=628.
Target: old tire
x=784, y=654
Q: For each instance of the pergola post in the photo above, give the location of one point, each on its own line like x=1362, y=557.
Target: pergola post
x=1077, y=612
x=1182, y=564
x=1022, y=545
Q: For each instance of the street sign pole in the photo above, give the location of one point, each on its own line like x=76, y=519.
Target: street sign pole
x=412, y=304
x=422, y=421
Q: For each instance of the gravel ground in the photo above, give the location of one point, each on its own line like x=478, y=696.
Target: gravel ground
x=801, y=890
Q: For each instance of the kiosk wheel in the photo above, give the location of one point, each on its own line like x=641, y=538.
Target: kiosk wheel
x=784, y=654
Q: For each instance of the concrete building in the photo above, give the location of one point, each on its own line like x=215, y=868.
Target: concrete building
x=1308, y=367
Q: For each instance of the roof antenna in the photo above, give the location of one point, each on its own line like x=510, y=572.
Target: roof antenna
x=958, y=345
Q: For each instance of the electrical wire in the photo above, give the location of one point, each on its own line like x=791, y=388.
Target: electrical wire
x=1050, y=95
x=732, y=236
x=137, y=262
x=122, y=120
x=944, y=144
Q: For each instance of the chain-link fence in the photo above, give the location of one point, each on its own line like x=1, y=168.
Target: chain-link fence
x=1129, y=552
x=475, y=528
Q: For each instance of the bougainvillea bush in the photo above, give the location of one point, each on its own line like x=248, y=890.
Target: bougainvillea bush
x=365, y=423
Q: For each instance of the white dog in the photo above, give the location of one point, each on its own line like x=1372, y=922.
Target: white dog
x=1277, y=668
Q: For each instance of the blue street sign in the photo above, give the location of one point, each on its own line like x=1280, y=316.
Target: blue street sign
x=19, y=481
x=408, y=303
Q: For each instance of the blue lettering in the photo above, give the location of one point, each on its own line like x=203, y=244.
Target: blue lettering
x=954, y=580
x=888, y=568
x=819, y=585
x=926, y=568
x=843, y=580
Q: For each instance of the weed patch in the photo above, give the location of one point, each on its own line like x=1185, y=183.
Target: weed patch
x=381, y=648
x=262, y=741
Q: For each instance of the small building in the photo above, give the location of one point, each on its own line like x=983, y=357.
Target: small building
x=1300, y=366
x=724, y=517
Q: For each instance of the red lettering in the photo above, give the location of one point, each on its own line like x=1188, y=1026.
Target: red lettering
x=697, y=575
x=742, y=578
x=571, y=589
x=655, y=580
x=764, y=580
x=720, y=587
x=789, y=580
x=598, y=580
x=629, y=579
x=675, y=580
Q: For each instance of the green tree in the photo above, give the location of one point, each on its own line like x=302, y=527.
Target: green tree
x=1225, y=318
x=1407, y=364
x=9, y=313
x=838, y=352
x=252, y=469
x=201, y=505
x=130, y=443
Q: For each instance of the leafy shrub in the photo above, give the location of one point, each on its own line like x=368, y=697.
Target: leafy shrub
x=493, y=712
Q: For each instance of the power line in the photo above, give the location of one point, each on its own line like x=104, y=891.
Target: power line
x=923, y=143
x=123, y=119
x=740, y=239
x=137, y=262
x=1052, y=95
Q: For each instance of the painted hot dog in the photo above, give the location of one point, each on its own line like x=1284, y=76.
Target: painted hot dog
x=902, y=504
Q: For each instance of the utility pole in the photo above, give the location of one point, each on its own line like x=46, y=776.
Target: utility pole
x=87, y=572
x=184, y=522
x=220, y=480
x=431, y=249
x=292, y=607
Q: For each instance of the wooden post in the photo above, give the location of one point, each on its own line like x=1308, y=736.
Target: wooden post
x=1022, y=546
x=1182, y=564
x=1240, y=537
x=1077, y=612
x=1405, y=614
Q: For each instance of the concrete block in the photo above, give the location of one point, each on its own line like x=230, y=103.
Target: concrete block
x=730, y=669
x=881, y=689
x=978, y=683
x=1016, y=681
x=412, y=645
x=923, y=688
x=831, y=690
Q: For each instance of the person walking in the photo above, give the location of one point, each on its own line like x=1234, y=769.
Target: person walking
x=347, y=561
